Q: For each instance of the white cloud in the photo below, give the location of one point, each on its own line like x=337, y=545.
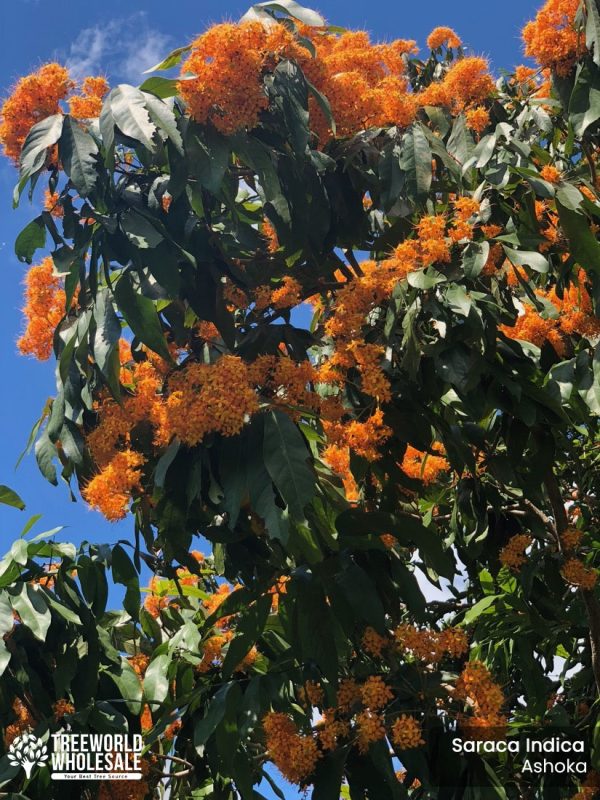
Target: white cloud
x=121, y=49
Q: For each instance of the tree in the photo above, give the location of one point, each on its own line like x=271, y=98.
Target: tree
x=439, y=416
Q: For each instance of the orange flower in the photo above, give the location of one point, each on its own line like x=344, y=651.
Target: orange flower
x=44, y=308
x=577, y=574
x=51, y=204
x=407, y=733
x=552, y=37
x=293, y=754
x=512, y=554
x=424, y=466
x=442, y=36
x=88, y=104
x=477, y=119
x=111, y=489
x=35, y=97
x=550, y=173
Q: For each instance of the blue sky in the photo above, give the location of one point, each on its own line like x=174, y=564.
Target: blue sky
x=121, y=39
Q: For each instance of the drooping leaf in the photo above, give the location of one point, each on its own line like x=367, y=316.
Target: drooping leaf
x=78, y=153
x=31, y=238
x=286, y=459
x=141, y=316
x=10, y=498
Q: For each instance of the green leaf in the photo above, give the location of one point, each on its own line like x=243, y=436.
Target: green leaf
x=415, y=161
x=259, y=11
x=78, y=153
x=30, y=604
x=45, y=452
x=156, y=680
x=140, y=314
x=328, y=776
x=139, y=230
x=361, y=595
x=569, y=196
x=165, y=461
x=592, y=30
x=128, y=109
x=10, y=498
x=584, y=246
x=530, y=258
x=42, y=135
x=286, y=459
x=160, y=87
x=315, y=627
x=459, y=300
x=164, y=118
x=290, y=95
x=31, y=238
x=460, y=144
x=323, y=104
x=584, y=104
x=475, y=256
x=128, y=684
x=206, y=725
x=208, y=154
x=475, y=611
x=106, y=339
x=249, y=626
x=6, y=624
x=125, y=573
x=170, y=61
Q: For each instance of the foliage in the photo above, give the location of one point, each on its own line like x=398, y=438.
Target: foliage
x=439, y=417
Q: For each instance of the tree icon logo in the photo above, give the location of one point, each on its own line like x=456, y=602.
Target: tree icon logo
x=27, y=751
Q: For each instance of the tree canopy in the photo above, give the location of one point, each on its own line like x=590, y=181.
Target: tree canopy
x=325, y=317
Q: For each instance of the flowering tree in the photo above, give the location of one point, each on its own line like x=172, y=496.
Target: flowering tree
x=438, y=417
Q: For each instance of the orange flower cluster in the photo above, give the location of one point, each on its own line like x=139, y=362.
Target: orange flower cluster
x=292, y=753
x=370, y=727
x=139, y=663
x=364, y=82
x=512, y=554
x=375, y=693
x=51, y=204
x=443, y=37
x=549, y=173
x=407, y=733
x=589, y=788
x=388, y=540
x=364, y=438
x=553, y=38
x=44, y=308
x=571, y=538
x=61, y=708
x=88, y=104
x=575, y=572
x=423, y=466
x=475, y=685
x=477, y=119
x=24, y=721
x=208, y=397
x=34, y=98
x=374, y=643
x=110, y=490
x=575, y=317
x=429, y=645
x=153, y=603
x=330, y=729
